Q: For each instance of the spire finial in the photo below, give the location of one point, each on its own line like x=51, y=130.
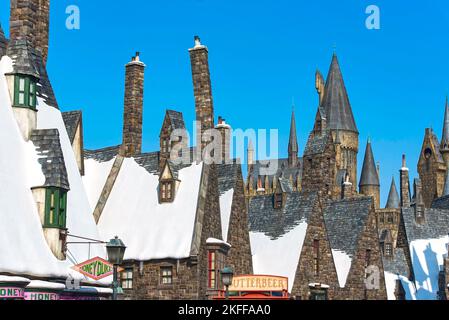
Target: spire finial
x=334, y=48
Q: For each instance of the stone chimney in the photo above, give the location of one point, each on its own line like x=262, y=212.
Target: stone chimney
x=42, y=28
x=347, y=189
x=250, y=157
x=204, y=107
x=23, y=21
x=225, y=131
x=405, y=183
x=133, y=112
x=419, y=202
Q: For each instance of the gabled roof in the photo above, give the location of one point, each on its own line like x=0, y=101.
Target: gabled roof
x=335, y=102
x=283, y=170
x=435, y=226
x=23, y=58
x=71, y=121
x=345, y=221
x=51, y=158
x=370, y=176
x=393, y=201
x=103, y=154
x=176, y=119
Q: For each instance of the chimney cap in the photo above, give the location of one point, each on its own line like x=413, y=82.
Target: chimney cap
x=198, y=44
x=136, y=59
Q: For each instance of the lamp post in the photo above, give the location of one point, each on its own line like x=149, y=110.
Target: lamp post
x=116, y=251
x=226, y=277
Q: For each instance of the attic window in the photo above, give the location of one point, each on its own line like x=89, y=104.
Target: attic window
x=278, y=201
x=55, y=208
x=388, y=250
x=166, y=189
x=24, y=92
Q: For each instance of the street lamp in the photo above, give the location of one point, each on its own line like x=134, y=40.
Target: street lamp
x=116, y=251
x=226, y=277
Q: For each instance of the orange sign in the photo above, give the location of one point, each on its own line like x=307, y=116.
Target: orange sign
x=259, y=283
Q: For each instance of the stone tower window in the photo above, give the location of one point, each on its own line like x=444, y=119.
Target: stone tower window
x=388, y=250
x=24, y=92
x=278, y=201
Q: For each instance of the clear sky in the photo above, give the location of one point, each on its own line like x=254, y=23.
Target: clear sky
x=262, y=53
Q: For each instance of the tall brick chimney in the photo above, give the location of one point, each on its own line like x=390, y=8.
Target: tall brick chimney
x=133, y=112
x=225, y=131
x=43, y=28
x=204, y=106
x=30, y=20
x=405, y=184
x=23, y=21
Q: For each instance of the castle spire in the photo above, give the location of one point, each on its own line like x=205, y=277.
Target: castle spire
x=293, y=142
x=370, y=176
x=335, y=102
x=445, y=135
x=369, y=181
x=446, y=187
x=393, y=201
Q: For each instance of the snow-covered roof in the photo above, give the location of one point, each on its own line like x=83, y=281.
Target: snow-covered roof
x=343, y=264
x=27, y=251
x=150, y=230
x=409, y=287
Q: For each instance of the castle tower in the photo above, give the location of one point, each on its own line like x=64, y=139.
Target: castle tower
x=3, y=42
x=444, y=145
x=204, y=106
x=369, y=181
x=133, y=111
x=293, y=144
x=393, y=201
x=431, y=168
x=336, y=109
x=250, y=156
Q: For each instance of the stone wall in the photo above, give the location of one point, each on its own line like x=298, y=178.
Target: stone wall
x=305, y=273
x=239, y=256
x=356, y=288
x=347, y=154
x=23, y=20
x=42, y=28
x=372, y=191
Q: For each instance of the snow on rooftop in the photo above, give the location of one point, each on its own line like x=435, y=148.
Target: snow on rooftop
x=343, y=265
x=151, y=230
x=80, y=220
x=14, y=279
x=225, y=209
x=37, y=284
x=27, y=251
x=95, y=178
x=390, y=281
x=278, y=257
x=428, y=260
x=217, y=241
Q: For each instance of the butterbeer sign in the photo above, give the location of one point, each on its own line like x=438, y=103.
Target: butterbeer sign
x=96, y=268
x=259, y=284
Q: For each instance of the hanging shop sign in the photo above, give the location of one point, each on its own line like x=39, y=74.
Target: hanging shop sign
x=41, y=296
x=96, y=268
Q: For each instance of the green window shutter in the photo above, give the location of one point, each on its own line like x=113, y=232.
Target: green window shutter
x=32, y=95
x=16, y=90
x=63, y=210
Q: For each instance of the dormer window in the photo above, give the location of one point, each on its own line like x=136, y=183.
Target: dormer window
x=24, y=92
x=166, y=191
x=55, y=208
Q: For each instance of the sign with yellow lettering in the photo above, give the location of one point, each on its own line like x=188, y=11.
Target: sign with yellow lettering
x=259, y=283
x=96, y=268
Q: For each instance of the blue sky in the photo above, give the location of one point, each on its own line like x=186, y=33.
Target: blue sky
x=262, y=53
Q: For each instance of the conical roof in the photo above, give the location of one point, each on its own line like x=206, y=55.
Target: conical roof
x=445, y=135
x=393, y=201
x=335, y=102
x=370, y=176
x=293, y=141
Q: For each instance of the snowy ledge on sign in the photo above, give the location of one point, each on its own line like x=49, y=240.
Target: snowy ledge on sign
x=217, y=241
x=37, y=284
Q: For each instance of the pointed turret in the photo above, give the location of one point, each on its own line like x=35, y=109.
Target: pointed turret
x=2, y=42
x=335, y=102
x=369, y=181
x=293, y=143
x=393, y=201
x=250, y=156
x=369, y=176
x=444, y=146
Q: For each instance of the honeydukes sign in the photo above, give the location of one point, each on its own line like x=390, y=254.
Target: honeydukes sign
x=96, y=268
